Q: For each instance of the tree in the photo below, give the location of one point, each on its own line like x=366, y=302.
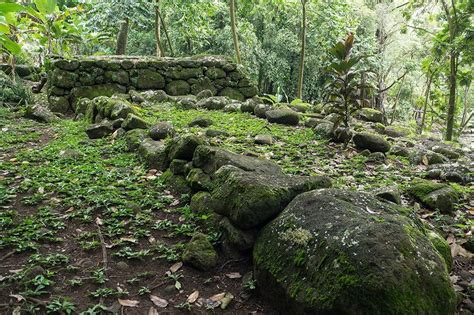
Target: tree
x=343, y=88
x=122, y=37
x=299, y=92
x=234, y=31
x=159, y=48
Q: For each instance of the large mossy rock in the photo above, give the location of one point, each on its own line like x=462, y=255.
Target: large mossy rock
x=153, y=153
x=214, y=103
x=371, y=115
x=251, y=199
x=343, y=252
x=284, y=116
x=435, y=196
x=94, y=91
x=210, y=159
x=39, y=113
x=99, y=130
x=372, y=142
x=182, y=148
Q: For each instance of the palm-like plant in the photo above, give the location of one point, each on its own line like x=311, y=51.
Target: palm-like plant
x=343, y=90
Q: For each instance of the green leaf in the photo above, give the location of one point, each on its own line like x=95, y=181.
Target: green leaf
x=10, y=7
x=46, y=6
x=10, y=45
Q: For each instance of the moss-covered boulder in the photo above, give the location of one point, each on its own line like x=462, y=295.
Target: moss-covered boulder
x=199, y=253
x=153, y=154
x=210, y=159
x=59, y=104
x=427, y=157
x=39, y=113
x=133, y=138
x=251, y=199
x=94, y=91
x=343, y=252
x=178, y=87
x=284, y=116
x=396, y=131
x=435, y=196
x=442, y=247
x=241, y=239
x=161, y=130
x=198, y=180
x=232, y=94
x=177, y=183
x=147, y=79
x=201, y=121
x=371, y=115
x=183, y=148
x=99, y=130
x=200, y=203
x=134, y=122
x=370, y=141
x=447, y=151
x=456, y=172
x=213, y=103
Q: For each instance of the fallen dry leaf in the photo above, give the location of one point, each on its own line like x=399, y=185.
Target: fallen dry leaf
x=152, y=311
x=217, y=297
x=193, y=297
x=128, y=303
x=99, y=221
x=234, y=275
x=176, y=267
x=159, y=301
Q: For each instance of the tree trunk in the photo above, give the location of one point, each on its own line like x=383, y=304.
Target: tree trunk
x=159, y=48
x=299, y=92
x=464, y=119
x=166, y=33
x=452, y=96
x=122, y=38
x=427, y=96
x=233, y=26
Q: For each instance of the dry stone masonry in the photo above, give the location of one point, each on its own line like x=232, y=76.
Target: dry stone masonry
x=89, y=77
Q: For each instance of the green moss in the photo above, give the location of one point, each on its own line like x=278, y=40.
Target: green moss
x=442, y=247
x=421, y=189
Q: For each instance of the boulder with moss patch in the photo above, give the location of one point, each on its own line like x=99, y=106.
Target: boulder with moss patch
x=134, y=122
x=343, y=252
x=435, y=196
x=183, y=148
x=371, y=115
x=153, y=154
x=133, y=138
x=251, y=199
x=371, y=141
x=284, y=116
x=210, y=159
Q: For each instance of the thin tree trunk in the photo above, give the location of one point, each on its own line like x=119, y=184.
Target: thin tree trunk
x=166, y=33
x=122, y=38
x=394, y=109
x=464, y=119
x=159, y=47
x=427, y=96
x=233, y=26
x=452, y=96
x=299, y=92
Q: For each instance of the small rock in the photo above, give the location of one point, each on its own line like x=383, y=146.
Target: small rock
x=204, y=94
x=391, y=194
x=161, y=130
x=211, y=133
x=178, y=167
x=199, y=253
x=121, y=265
x=264, y=139
x=134, y=122
x=201, y=122
x=284, y=116
x=100, y=130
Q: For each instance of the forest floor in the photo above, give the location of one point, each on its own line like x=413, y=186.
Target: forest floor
x=84, y=227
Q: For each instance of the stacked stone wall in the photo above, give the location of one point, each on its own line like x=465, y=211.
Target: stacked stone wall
x=89, y=77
